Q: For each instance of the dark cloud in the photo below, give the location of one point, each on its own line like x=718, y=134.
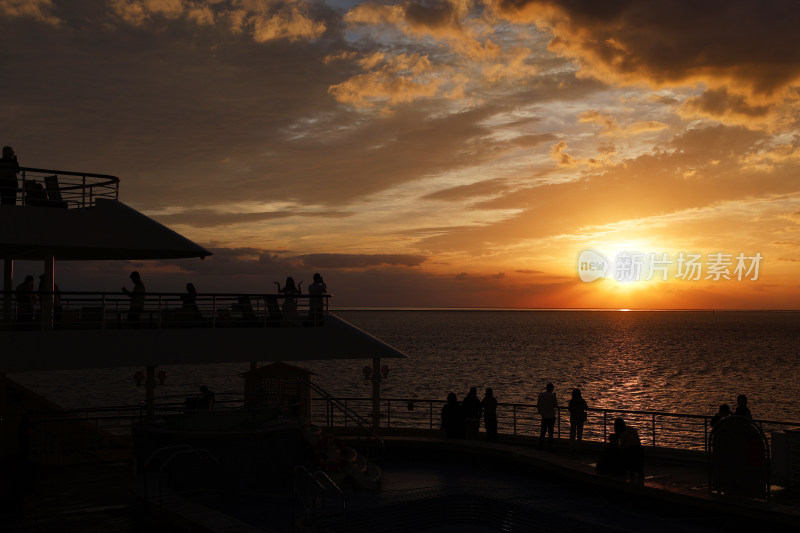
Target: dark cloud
x=360, y=260
x=431, y=14
x=718, y=103
x=206, y=218
x=748, y=44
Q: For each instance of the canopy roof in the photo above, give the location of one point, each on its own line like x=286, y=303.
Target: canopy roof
x=25, y=351
x=109, y=230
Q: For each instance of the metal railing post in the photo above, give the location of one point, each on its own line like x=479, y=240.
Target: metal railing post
x=514, y=410
x=430, y=407
x=214, y=311
x=160, y=312
x=654, y=429
x=605, y=425
x=558, y=422
x=103, y=312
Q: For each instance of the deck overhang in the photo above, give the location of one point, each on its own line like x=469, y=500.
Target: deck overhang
x=32, y=351
x=109, y=230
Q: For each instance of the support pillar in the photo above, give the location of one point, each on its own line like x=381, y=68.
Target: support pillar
x=48, y=286
x=376, y=394
x=150, y=388
x=8, y=280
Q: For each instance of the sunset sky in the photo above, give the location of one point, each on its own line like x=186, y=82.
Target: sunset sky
x=427, y=153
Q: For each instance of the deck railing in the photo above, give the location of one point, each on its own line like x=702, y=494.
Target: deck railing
x=112, y=310
x=60, y=188
x=656, y=428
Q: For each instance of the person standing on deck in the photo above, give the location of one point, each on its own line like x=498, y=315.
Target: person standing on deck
x=741, y=407
x=471, y=406
x=547, y=404
x=137, y=298
x=453, y=418
x=316, y=305
x=577, y=417
x=8, y=177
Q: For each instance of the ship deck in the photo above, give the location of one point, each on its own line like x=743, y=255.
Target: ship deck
x=429, y=484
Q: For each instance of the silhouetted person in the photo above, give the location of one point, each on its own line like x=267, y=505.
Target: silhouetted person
x=724, y=410
x=8, y=176
x=546, y=405
x=36, y=195
x=453, y=418
x=489, y=405
x=189, y=300
x=577, y=417
x=137, y=298
x=203, y=402
x=471, y=406
x=610, y=461
x=289, y=310
x=316, y=304
x=207, y=399
x=631, y=450
x=741, y=407
x=26, y=301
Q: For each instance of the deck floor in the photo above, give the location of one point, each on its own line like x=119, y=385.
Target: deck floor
x=100, y=498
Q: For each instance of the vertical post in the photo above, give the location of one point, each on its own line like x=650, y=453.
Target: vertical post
x=47, y=298
x=150, y=388
x=376, y=394
x=654, y=429
x=515, y=418
x=8, y=279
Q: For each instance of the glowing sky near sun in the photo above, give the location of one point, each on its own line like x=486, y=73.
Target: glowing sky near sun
x=426, y=153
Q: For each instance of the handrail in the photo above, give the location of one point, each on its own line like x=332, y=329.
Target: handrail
x=317, y=480
x=102, y=310
x=63, y=188
x=361, y=422
x=656, y=428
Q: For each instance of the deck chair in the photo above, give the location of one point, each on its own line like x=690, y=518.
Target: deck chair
x=34, y=193
x=54, y=198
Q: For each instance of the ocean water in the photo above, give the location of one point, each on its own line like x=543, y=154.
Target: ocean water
x=673, y=361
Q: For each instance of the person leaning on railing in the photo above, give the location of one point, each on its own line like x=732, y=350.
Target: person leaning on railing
x=8, y=176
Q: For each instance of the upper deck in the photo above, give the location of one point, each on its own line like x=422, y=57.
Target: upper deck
x=64, y=215
x=64, y=189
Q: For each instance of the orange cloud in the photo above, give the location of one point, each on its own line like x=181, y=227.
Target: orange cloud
x=393, y=80
x=40, y=10
x=265, y=21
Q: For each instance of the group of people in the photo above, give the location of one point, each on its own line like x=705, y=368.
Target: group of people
x=28, y=297
x=462, y=419
x=189, y=300
x=725, y=410
x=316, y=290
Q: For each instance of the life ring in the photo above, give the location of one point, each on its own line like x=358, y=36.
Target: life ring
x=332, y=453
